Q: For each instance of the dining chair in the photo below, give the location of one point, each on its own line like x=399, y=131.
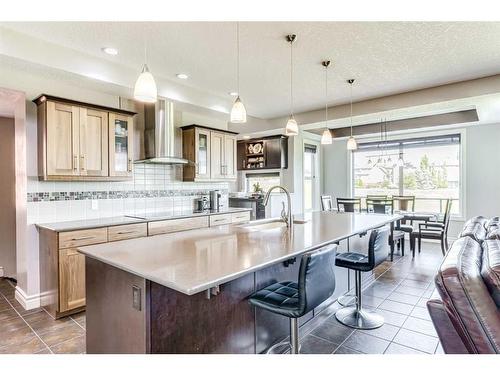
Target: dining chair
x=326, y=203
x=379, y=206
x=404, y=203
x=397, y=237
x=349, y=204
x=434, y=230
x=376, y=197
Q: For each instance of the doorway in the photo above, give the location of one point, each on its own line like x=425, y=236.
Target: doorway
x=311, y=180
x=7, y=198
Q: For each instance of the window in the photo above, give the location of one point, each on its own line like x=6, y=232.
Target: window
x=263, y=180
x=428, y=168
x=310, y=188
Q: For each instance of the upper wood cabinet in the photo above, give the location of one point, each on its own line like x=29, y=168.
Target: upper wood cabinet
x=263, y=153
x=120, y=145
x=212, y=154
x=93, y=142
x=80, y=141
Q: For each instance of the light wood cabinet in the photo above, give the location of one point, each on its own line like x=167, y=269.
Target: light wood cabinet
x=81, y=141
x=71, y=279
x=93, y=137
x=223, y=162
x=217, y=160
x=62, y=132
x=62, y=267
x=212, y=154
x=177, y=225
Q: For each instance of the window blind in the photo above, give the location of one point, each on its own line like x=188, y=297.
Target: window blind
x=439, y=140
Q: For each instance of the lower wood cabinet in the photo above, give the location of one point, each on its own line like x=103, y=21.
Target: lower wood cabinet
x=71, y=279
x=62, y=267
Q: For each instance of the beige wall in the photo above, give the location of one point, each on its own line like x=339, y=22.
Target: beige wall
x=7, y=198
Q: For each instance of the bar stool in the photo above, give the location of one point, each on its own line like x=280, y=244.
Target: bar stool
x=356, y=316
x=316, y=283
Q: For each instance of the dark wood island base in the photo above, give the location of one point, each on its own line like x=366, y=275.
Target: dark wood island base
x=129, y=314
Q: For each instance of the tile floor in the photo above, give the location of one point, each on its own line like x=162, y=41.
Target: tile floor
x=399, y=294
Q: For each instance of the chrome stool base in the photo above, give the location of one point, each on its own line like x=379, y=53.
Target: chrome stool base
x=361, y=319
x=347, y=300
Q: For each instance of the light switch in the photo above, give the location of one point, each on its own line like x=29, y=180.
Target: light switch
x=94, y=204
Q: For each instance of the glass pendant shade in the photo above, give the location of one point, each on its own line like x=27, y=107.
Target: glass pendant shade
x=352, y=144
x=238, y=112
x=326, y=138
x=145, y=87
x=401, y=162
x=291, y=127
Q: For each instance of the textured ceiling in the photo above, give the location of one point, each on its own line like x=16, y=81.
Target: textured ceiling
x=384, y=57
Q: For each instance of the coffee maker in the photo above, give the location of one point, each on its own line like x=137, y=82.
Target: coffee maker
x=215, y=200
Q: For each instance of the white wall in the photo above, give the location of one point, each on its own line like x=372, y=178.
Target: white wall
x=482, y=180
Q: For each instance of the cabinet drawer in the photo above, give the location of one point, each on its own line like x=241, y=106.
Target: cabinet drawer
x=82, y=237
x=240, y=217
x=125, y=232
x=176, y=225
x=220, y=219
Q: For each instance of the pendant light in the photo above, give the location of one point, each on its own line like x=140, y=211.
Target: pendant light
x=145, y=87
x=238, y=112
x=291, y=128
x=351, y=142
x=401, y=161
x=326, y=138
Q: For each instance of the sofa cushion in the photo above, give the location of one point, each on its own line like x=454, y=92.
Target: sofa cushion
x=474, y=230
x=493, y=234
x=494, y=221
x=490, y=269
x=477, y=219
x=471, y=308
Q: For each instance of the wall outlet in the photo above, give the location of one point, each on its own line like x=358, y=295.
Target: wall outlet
x=94, y=204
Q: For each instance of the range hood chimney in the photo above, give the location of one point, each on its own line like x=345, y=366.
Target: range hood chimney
x=159, y=134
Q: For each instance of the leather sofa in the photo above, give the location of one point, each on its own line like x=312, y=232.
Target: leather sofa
x=465, y=309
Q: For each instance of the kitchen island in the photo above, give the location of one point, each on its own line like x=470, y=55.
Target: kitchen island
x=186, y=292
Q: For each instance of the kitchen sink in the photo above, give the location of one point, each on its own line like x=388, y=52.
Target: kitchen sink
x=267, y=224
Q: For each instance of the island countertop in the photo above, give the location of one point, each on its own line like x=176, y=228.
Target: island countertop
x=196, y=260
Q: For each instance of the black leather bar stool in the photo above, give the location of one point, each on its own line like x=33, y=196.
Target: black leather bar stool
x=356, y=316
x=316, y=283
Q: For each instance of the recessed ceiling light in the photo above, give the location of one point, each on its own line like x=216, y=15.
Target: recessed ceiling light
x=233, y=93
x=110, y=51
x=246, y=137
x=182, y=76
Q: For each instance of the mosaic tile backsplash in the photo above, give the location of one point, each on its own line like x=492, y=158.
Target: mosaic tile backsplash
x=154, y=188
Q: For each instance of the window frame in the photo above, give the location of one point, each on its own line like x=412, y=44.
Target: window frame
x=419, y=134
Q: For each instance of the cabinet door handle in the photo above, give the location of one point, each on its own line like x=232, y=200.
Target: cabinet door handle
x=82, y=238
x=126, y=232
x=82, y=162
x=130, y=165
x=75, y=162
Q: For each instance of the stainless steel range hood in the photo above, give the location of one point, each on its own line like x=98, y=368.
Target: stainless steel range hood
x=159, y=134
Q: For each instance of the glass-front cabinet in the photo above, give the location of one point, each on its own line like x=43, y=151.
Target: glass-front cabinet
x=120, y=145
x=202, y=149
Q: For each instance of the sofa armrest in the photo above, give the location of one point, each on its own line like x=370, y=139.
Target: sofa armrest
x=450, y=340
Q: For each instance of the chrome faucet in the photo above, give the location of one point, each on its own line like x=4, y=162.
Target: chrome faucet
x=287, y=218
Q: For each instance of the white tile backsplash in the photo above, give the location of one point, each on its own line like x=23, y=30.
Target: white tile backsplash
x=147, y=177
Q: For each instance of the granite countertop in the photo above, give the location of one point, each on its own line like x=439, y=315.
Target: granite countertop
x=194, y=261
x=65, y=226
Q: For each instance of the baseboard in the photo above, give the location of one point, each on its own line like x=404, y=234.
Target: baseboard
x=27, y=302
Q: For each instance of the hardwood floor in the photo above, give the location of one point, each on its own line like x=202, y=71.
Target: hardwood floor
x=399, y=294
